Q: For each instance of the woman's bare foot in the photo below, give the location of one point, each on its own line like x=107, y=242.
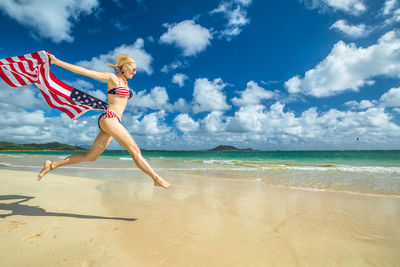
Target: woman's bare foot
x=161, y=182
x=46, y=168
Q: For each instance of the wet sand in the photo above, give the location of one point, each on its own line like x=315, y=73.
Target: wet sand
x=203, y=221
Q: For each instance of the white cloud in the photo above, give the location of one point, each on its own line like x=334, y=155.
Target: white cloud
x=236, y=16
x=348, y=67
x=253, y=126
x=248, y=119
x=208, y=95
x=354, y=7
x=190, y=37
x=363, y=104
x=135, y=50
x=391, y=98
x=180, y=105
x=352, y=31
x=278, y=128
x=151, y=124
x=389, y=7
x=391, y=11
x=49, y=19
x=174, y=65
x=26, y=97
x=179, y=79
x=22, y=118
x=214, y=122
x=156, y=99
x=80, y=84
x=252, y=95
x=185, y=123
x=328, y=130
x=27, y=127
x=243, y=2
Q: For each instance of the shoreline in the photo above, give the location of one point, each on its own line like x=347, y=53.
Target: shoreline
x=278, y=186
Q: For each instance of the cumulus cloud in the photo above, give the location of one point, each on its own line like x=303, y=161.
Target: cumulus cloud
x=252, y=95
x=151, y=124
x=156, y=99
x=331, y=128
x=49, y=19
x=391, y=98
x=192, y=38
x=257, y=126
x=27, y=127
x=348, y=67
x=248, y=119
x=208, y=95
x=179, y=79
x=277, y=127
x=26, y=97
x=135, y=50
x=352, y=31
x=22, y=118
x=185, y=123
x=180, y=105
x=353, y=7
x=236, y=16
x=214, y=122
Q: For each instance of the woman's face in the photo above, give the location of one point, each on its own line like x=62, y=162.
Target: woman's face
x=130, y=69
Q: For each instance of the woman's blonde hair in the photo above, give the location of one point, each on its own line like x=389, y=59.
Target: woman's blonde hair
x=121, y=61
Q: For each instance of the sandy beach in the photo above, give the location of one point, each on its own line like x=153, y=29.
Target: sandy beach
x=203, y=221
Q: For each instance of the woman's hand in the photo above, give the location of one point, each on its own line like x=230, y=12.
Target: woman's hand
x=53, y=59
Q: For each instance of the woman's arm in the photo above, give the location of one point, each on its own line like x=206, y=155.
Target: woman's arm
x=81, y=70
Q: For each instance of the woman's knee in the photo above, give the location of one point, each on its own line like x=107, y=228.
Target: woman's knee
x=135, y=154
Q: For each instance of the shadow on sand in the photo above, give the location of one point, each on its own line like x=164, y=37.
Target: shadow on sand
x=18, y=209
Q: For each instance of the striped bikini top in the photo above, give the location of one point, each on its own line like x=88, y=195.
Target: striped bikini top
x=121, y=91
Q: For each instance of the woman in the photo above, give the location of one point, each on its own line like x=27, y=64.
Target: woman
x=109, y=122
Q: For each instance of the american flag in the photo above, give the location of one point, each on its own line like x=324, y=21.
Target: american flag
x=35, y=69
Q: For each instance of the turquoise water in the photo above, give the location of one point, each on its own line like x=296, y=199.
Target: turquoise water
x=359, y=158
x=366, y=172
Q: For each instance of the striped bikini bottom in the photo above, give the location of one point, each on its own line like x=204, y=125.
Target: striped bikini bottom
x=108, y=114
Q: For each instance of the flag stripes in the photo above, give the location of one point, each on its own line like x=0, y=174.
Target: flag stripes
x=34, y=69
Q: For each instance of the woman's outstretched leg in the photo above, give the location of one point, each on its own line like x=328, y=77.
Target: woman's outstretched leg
x=122, y=136
x=99, y=145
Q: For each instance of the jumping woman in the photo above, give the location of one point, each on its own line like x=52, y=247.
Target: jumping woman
x=109, y=122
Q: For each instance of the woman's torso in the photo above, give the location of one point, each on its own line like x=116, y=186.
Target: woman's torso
x=117, y=103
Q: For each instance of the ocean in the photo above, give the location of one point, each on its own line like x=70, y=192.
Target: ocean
x=362, y=172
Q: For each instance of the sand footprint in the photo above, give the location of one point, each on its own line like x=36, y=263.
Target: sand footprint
x=14, y=224
x=30, y=237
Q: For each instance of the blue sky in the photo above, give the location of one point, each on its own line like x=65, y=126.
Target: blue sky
x=287, y=75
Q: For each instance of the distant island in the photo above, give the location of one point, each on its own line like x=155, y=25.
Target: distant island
x=48, y=146
x=53, y=146
x=229, y=148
